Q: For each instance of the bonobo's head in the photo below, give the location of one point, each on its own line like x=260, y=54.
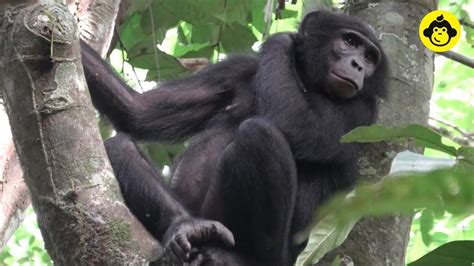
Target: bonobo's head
x=340, y=56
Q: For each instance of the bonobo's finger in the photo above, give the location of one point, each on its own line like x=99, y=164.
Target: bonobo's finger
x=169, y=252
x=184, y=243
x=178, y=252
x=214, y=231
x=224, y=234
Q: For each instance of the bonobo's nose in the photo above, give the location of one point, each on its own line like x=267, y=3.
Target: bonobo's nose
x=356, y=65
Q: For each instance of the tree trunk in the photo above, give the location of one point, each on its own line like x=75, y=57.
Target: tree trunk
x=383, y=241
x=80, y=211
x=14, y=195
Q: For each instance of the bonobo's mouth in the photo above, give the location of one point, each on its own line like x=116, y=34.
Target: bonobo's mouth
x=345, y=80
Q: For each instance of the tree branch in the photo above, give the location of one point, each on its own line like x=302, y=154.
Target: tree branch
x=466, y=23
x=459, y=58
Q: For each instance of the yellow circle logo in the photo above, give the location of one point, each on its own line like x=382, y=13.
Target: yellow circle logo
x=440, y=31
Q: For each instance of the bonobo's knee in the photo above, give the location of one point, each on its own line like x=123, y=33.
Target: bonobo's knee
x=120, y=147
x=259, y=131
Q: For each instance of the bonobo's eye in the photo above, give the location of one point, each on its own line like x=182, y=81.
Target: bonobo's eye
x=371, y=57
x=351, y=39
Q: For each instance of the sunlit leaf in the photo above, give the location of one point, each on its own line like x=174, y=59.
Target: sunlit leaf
x=452, y=253
x=325, y=236
x=449, y=189
x=423, y=136
x=426, y=224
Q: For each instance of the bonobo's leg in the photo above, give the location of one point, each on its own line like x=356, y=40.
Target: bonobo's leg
x=197, y=167
x=146, y=196
x=254, y=192
x=142, y=186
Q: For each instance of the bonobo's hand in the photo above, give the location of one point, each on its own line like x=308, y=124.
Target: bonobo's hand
x=186, y=232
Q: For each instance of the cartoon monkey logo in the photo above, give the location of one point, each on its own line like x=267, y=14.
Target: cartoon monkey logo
x=440, y=31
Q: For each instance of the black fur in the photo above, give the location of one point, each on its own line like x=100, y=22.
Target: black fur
x=264, y=152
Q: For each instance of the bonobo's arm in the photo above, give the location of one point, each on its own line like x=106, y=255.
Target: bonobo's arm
x=171, y=112
x=281, y=99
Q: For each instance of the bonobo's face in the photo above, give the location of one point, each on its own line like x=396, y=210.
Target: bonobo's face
x=353, y=59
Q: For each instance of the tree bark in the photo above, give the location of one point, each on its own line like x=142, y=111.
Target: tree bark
x=96, y=20
x=383, y=241
x=14, y=195
x=80, y=211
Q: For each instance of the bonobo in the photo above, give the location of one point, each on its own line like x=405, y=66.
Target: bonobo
x=264, y=135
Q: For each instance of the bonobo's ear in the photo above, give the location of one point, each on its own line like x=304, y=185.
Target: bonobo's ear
x=311, y=18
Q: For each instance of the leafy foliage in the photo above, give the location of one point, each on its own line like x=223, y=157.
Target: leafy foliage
x=434, y=192
x=26, y=247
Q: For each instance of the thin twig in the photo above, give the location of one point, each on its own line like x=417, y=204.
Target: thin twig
x=124, y=49
x=462, y=132
x=460, y=58
x=467, y=24
x=153, y=34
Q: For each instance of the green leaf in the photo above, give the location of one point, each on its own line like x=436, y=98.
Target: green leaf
x=131, y=31
x=423, y=136
x=410, y=162
x=258, y=15
x=452, y=253
x=447, y=188
x=237, y=38
x=466, y=159
x=464, y=16
x=440, y=237
x=142, y=55
x=288, y=14
x=206, y=52
x=182, y=37
x=237, y=11
x=197, y=12
x=138, y=5
x=324, y=237
x=205, y=34
x=163, y=17
x=158, y=153
x=426, y=224
x=338, y=261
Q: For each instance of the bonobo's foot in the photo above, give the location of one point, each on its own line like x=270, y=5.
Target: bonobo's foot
x=184, y=233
